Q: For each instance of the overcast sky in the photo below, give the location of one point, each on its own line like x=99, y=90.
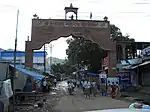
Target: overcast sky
x=131, y=16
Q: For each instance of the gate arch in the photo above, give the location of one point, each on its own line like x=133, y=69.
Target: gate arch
x=47, y=30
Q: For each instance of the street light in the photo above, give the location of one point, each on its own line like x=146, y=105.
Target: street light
x=15, y=50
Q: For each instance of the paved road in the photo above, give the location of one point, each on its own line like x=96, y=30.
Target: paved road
x=77, y=102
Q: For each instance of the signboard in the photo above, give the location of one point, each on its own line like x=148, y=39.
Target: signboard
x=124, y=75
x=105, y=62
x=69, y=23
x=146, y=51
x=112, y=80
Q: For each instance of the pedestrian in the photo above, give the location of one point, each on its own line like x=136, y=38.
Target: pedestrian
x=118, y=93
x=109, y=89
x=48, y=85
x=44, y=84
x=87, y=89
x=113, y=90
x=78, y=84
x=84, y=86
x=55, y=82
x=103, y=89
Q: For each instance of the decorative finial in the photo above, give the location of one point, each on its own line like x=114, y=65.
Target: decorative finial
x=71, y=5
x=35, y=15
x=105, y=18
x=90, y=15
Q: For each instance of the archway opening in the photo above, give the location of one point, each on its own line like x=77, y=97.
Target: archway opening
x=70, y=54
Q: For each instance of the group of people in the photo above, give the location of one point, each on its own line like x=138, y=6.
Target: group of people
x=91, y=88
x=36, y=85
x=46, y=83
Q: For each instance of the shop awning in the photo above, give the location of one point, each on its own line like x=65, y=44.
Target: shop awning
x=142, y=64
x=145, y=63
x=133, y=67
x=126, y=67
x=28, y=72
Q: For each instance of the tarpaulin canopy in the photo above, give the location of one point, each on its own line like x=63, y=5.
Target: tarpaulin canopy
x=28, y=72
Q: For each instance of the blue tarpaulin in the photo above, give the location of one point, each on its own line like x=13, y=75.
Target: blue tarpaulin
x=92, y=74
x=28, y=72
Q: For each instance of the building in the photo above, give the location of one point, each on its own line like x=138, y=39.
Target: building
x=38, y=58
x=141, y=67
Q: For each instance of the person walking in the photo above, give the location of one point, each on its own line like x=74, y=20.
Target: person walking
x=118, y=93
x=55, y=82
x=87, y=89
x=84, y=84
x=94, y=88
x=44, y=84
x=113, y=90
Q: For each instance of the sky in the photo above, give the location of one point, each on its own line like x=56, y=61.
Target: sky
x=131, y=16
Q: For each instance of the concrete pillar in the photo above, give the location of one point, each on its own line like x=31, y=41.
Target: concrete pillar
x=123, y=46
x=112, y=63
x=28, y=54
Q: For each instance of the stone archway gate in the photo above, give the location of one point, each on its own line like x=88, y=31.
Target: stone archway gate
x=47, y=30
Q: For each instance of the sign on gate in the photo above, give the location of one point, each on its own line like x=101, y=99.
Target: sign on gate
x=69, y=23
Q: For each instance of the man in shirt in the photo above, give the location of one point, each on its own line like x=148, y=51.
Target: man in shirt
x=84, y=86
x=55, y=82
x=87, y=89
x=70, y=87
x=44, y=85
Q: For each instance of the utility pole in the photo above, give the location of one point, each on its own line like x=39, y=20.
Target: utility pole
x=44, y=60
x=15, y=50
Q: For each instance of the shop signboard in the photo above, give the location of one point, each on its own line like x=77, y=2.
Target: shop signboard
x=105, y=62
x=110, y=80
x=124, y=79
x=146, y=51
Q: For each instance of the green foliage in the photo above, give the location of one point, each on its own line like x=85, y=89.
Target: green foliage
x=85, y=52
x=116, y=34
x=64, y=68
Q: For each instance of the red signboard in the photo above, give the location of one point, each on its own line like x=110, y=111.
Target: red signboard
x=105, y=62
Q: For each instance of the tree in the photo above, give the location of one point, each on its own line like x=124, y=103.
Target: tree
x=57, y=68
x=85, y=52
x=64, y=68
x=116, y=34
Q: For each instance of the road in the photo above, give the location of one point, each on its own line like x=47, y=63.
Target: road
x=78, y=103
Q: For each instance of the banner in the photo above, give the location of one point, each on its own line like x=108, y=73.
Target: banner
x=6, y=89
